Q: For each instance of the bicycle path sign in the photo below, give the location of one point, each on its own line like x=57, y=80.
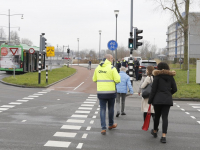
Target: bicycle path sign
x=112, y=45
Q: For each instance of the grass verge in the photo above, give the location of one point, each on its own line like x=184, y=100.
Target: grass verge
x=31, y=79
x=191, y=90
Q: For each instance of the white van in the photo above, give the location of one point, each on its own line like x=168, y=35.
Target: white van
x=127, y=58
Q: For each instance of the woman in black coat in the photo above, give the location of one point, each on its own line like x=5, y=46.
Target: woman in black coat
x=164, y=86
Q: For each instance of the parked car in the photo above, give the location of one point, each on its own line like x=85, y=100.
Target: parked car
x=144, y=64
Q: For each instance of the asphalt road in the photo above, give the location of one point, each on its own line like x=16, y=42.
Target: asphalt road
x=66, y=116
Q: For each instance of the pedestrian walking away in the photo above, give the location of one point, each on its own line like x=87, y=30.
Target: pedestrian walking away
x=146, y=79
x=118, y=65
x=122, y=90
x=136, y=67
x=124, y=63
x=106, y=77
x=89, y=64
x=164, y=86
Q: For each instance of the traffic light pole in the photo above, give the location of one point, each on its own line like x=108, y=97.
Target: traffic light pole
x=130, y=66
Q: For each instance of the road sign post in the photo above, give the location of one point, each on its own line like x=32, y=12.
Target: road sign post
x=13, y=50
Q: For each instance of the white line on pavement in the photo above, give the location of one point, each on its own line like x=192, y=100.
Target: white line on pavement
x=85, y=108
x=192, y=117
x=13, y=103
x=45, y=108
x=89, y=102
x=79, y=116
x=96, y=112
x=88, y=128
x=84, y=136
x=79, y=146
x=27, y=98
x=187, y=113
x=87, y=105
x=98, y=108
x=57, y=144
x=78, y=86
x=75, y=121
x=82, y=112
x=94, y=116
x=65, y=134
x=58, y=99
x=183, y=109
x=42, y=92
x=72, y=127
x=9, y=106
x=198, y=122
x=177, y=105
x=198, y=109
x=23, y=120
x=196, y=106
x=22, y=100
x=92, y=97
x=92, y=121
x=4, y=108
x=33, y=96
x=38, y=94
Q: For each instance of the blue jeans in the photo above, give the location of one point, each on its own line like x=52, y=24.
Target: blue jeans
x=111, y=103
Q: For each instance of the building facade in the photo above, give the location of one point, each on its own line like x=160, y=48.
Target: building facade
x=175, y=38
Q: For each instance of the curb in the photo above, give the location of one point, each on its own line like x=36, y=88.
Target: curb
x=23, y=86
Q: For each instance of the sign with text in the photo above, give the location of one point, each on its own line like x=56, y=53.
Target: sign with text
x=50, y=52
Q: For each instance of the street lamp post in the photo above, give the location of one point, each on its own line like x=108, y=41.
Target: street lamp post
x=9, y=21
x=78, y=50
x=116, y=14
x=188, y=71
x=99, y=43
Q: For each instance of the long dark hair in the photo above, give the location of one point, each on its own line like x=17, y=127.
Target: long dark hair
x=163, y=65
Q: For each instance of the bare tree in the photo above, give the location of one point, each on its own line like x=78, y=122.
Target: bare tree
x=26, y=41
x=176, y=6
x=2, y=33
x=145, y=50
x=14, y=37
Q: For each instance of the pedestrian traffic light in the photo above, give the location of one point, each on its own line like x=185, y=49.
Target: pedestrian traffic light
x=44, y=43
x=130, y=43
x=68, y=50
x=136, y=38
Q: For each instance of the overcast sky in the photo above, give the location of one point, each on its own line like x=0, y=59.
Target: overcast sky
x=63, y=21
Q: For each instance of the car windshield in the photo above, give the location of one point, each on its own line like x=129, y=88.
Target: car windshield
x=148, y=64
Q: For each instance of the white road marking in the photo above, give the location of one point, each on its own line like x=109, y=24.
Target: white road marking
x=78, y=86
x=75, y=121
x=89, y=102
x=85, y=108
x=45, y=108
x=98, y=108
x=88, y=128
x=198, y=109
x=38, y=94
x=96, y=112
x=58, y=99
x=80, y=145
x=23, y=120
x=183, y=109
x=22, y=100
x=4, y=108
x=87, y=105
x=27, y=98
x=0, y=111
x=187, y=113
x=192, y=117
x=79, y=116
x=92, y=121
x=33, y=96
x=72, y=127
x=196, y=106
x=198, y=122
x=84, y=136
x=92, y=97
x=65, y=134
x=94, y=117
x=82, y=112
x=9, y=106
x=177, y=105
x=13, y=103
x=42, y=92
x=57, y=144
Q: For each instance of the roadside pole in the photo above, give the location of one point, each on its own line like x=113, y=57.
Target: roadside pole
x=47, y=74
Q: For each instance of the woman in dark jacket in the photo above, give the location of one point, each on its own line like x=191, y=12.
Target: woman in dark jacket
x=164, y=86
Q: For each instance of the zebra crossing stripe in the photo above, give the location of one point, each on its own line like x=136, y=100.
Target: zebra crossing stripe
x=71, y=127
x=58, y=144
x=79, y=116
x=65, y=134
x=75, y=121
x=79, y=146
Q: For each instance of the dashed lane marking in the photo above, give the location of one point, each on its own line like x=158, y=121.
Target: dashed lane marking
x=187, y=113
x=9, y=106
x=92, y=97
x=88, y=128
x=192, y=117
x=196, y=106
x=23, y=120
x=84, y=136
x=94, y=117
x=58, y=144
x=38, y=94
x=22, y=100
x=85, y=108
x=33, y=96
x=45, y=108
x=65, y=134
x=4, y=108
x=183, y=109
x=82, y=112
x=177, y=105
x=79, y=116
x=13, y=103
x=92, y=121
x=96, y=112
x=58, y=99
x=80, y=145
x=72, y=127
x=75, y=121
x=98, y=108
x=198, y=122
x=87, y=105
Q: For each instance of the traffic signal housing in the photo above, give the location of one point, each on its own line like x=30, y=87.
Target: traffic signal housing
x=44, y=43
x=68, y=50
x=137, y=37
x=130, y=43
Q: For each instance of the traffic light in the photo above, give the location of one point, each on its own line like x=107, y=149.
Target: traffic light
x=130, y=43
x=136, y=38
x=68, y=50
x=44, y=43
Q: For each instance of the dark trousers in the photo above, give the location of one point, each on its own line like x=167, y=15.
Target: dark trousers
x=152, y=115
x=164, y=111
x=136, y=73
x=122, y=96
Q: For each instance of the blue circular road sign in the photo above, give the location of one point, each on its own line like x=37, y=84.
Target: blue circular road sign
x=112, y=45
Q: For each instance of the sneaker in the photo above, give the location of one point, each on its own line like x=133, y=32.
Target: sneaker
x=163, y=140
x=103, y=132
x=123, y=113
x=113, y=126
x=117, y=115
x=154, y=134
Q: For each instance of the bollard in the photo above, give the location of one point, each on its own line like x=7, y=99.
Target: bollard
x=46, y=73
x=39, y=69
